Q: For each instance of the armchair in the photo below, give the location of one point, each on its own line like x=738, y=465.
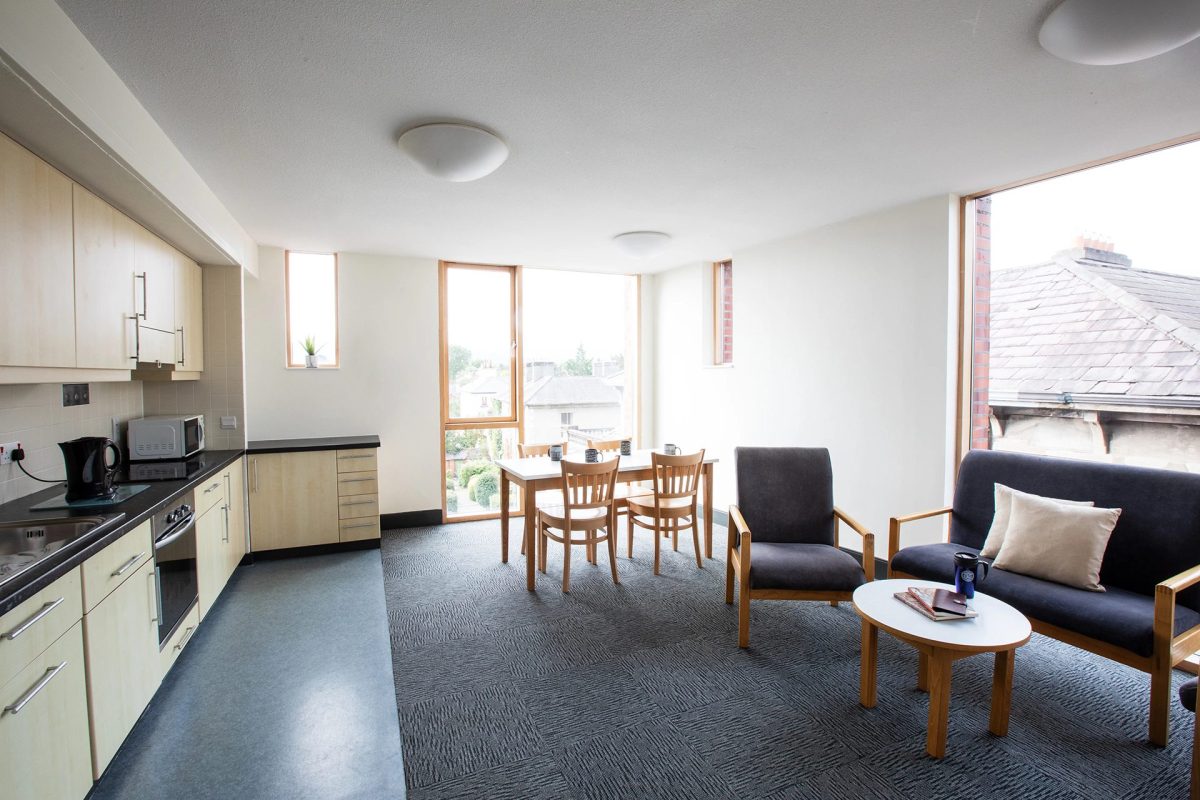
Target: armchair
x=784, y=533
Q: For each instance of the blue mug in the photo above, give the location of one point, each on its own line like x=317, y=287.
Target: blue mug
x=969, y=570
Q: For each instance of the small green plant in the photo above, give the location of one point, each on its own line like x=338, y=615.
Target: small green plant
x=471, y=469
x=452, y=502
x=487, y=486
x=309, y=343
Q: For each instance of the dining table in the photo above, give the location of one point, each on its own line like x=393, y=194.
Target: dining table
x=540, y=473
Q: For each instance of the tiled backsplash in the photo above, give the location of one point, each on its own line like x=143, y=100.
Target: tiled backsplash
x=33, y=415
x=220, y=392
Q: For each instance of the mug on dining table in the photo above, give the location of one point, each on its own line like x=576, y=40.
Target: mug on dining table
x=556, y=452
x=591, y=455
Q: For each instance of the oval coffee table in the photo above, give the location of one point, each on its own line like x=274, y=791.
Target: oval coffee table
x=998, y=629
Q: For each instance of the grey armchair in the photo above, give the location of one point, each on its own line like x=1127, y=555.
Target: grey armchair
x=785, y=496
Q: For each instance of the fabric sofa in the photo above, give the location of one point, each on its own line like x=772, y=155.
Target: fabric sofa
x=1149, y=615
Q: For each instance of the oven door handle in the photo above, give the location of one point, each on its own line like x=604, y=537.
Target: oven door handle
x=176, y=532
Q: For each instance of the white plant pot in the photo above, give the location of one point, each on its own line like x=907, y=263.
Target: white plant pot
x=310, y=361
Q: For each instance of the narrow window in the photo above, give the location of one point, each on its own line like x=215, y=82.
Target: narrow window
x=310, y=282
x=723, y=312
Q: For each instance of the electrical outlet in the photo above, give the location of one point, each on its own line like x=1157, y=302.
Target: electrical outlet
x=75, y=394
x=229, y=423
x=6, y=451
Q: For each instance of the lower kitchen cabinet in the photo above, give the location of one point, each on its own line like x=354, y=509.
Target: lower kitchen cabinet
x=44, y=749
x=293, y=499
x=121, y=641
x=210, y=555
x=235, y=514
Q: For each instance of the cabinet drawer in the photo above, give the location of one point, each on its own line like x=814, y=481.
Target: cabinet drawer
x=33, y=626
x=209, y=492
x=107, y=569
x=366, y=505
x=356, y=460
x=179, y=640
x=352, y=483
x=44, y=747
x=352, y=530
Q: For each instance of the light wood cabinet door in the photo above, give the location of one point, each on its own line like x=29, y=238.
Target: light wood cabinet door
x=293, y=499
x=235, y=501
x=210, y=556
x=44, y=747
x=105, y=306
x=189, y=314
x=123, y=672
x=36, y=262
x=154, y=264
x=35, y=624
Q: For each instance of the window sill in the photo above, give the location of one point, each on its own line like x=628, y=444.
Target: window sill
x=716, y=366
x=303, y=368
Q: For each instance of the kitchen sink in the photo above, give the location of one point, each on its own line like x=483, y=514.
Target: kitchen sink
x=23, y=543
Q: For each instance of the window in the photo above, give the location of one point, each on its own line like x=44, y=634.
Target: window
x=565, y=419
x=1084, y=315
x=310, y=281
x=723, y=312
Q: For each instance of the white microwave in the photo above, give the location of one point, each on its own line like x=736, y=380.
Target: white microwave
x=152, y=438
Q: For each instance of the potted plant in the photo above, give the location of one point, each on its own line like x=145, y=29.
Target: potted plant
x=310, y=349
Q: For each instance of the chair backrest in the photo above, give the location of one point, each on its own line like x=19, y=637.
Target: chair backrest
x=587, y=486
x=605, y=445
x=786, y=493
x=531, y=450
x=1157, y=535
x=676, y=476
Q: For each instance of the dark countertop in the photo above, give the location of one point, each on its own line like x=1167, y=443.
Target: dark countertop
x=320, y=443
x=136, y=509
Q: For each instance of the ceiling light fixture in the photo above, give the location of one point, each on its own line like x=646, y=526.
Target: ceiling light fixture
x=641, y=244
x=1106, y=32
x=454, y=152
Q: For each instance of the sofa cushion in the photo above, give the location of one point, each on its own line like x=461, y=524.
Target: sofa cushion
x=1157, y=536
x=1004, y=499
x=1057, y=542
x=1119, y=617
x=786, y=493
x=803, y=567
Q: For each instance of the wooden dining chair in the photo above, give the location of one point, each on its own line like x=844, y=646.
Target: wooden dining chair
x=588, y=509
x=624, y=490
x=672, y=504
x=534, y=451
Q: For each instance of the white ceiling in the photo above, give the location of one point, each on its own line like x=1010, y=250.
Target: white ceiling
x=725, y=123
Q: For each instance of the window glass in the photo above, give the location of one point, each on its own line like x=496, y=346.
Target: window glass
x=723, y=312
x=312, y=313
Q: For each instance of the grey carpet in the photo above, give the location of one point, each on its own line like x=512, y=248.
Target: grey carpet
x=639, y=691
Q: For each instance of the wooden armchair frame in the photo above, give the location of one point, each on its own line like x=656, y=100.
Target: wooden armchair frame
x=737, y=567
x=1169, y=649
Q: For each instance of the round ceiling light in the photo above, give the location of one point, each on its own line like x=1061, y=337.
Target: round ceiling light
x=641, y=244
x=1106, y=32
x=454, y=152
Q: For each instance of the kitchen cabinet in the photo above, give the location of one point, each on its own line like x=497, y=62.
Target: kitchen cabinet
x=170, y=650
x=108, y=569
x=37, y=623
x=358, y=495
x=123, y=671
x=189, y=314
x=235, y=503
x=105, y=308
x=154, y=284
x=293, y=499
x=36, y=262
x=221, y=535
x=44, y=745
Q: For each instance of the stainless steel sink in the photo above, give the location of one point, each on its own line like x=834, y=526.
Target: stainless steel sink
x=23, y=543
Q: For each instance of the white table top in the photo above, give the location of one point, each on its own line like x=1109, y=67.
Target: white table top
x=541, y=467
x=999, y=626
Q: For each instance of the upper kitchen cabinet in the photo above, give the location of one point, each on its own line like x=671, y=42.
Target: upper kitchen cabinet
x=36, y=328
x=189, y=314
x=106, y=322
x=154, y=287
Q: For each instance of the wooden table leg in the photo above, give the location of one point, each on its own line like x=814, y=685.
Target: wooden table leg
x=504, y=491
x=868, y=692
x=939, y=703
x=530, y=545
x=708, y=509
x=1002, y=679
x=923, y=672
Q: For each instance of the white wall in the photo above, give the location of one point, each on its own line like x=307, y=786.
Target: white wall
x=388, y=380
x=841, y=341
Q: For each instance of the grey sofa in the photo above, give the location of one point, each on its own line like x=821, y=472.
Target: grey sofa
x=1149, y=615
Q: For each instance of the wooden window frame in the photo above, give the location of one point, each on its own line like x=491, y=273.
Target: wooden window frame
x=718, y=307
x=287, y=311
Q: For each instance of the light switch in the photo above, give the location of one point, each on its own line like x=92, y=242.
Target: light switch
x=229, y=423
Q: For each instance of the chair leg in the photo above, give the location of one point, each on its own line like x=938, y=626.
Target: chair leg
x=696, y=542
x=543, y=545
x=743, y=615
x=729, y=577
x=675, y=535
x=657, y=542
x=629, y=523
x=1160, y=702
x=612, y=556
x=566, y=562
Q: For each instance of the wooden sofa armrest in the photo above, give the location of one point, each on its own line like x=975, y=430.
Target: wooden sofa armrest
x=868, y=549
x=1166, y=643
x=738, y=529
x=895, y=522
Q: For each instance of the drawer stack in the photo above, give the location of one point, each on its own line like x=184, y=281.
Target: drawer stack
x=358, y=495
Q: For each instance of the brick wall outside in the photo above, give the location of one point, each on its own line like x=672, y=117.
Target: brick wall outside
x=981, y=311
x=725, y=312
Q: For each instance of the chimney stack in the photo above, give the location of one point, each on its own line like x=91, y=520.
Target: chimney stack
x=1097, y=247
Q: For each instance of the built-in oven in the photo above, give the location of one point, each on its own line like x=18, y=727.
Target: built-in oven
x=174, y=530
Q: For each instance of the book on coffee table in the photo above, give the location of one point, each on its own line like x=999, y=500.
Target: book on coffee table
x=923, y=599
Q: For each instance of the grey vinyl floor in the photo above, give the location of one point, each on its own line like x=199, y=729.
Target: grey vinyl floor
x=286, y=691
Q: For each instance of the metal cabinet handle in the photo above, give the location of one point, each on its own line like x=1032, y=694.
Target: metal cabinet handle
x=24, y=699
x=361, y=525
x=358, y=502
x=228, y=499
x=216, y=485
x=29, y=623
x=347, y=458
x=137, y=338
x=355, y=480
x=145, y=292
x=254, y=462
x=154, y=598
x=186, y=636
x=128, y=565
x=182, y=347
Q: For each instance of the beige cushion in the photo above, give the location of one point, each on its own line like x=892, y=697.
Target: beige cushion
x=1004, y=496
x=1057, y=542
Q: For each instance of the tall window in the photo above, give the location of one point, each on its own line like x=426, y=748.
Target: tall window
x=1085, y=314
x=723, y=312
x=312, y=309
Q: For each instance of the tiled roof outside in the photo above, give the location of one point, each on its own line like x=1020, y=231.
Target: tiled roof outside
x=569, y=390
x=1099, y=331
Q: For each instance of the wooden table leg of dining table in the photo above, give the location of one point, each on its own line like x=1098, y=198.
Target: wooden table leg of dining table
x=1002, y=679
x=708, y=510
x=868, y=683
x=530, y=545
x=939, y=703
x=504, y=492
